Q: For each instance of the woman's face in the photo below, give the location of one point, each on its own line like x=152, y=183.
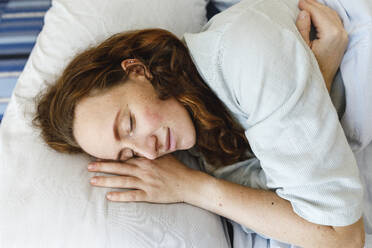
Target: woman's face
x=103, y=129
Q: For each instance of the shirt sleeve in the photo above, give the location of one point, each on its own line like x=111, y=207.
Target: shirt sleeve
x=293, y=128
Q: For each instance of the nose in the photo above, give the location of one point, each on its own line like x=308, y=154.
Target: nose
x=146, y=147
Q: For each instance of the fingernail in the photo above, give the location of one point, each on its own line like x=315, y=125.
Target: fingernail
x=93, y=180
x=91, y=167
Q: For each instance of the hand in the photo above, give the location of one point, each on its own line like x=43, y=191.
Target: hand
x=332, y=39
x=163, y=180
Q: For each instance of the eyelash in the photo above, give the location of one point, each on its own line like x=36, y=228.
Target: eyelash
x=131, y=123
x=131, y=129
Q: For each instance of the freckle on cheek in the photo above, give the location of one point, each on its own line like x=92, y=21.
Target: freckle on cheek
x=152, y=116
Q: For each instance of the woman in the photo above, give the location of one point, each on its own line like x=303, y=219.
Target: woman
x=141, y=95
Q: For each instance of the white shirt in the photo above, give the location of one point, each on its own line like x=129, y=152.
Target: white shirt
x=254, y=59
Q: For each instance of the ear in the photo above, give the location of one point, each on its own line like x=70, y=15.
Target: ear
x=127, y=63
x=135, y=65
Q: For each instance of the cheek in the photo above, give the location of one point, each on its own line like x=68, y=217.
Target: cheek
x=153, y=117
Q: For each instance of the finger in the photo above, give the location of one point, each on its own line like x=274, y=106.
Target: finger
x=317, y=14
x=118, y=182
x=141, y=162
x=101, y=160
x=114, y=168
x=315, y=2
x=303, y=24
x=312, y=5
x=325, y=19
x=132, y=195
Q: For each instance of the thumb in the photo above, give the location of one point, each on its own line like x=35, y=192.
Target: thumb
x=303, y=24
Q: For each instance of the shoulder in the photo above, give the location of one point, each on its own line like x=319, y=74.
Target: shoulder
x=265, y=30
x=258, y=22
x=248, y=50
x=265, y=60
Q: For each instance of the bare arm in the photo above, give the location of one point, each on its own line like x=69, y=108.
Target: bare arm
x=266, y=213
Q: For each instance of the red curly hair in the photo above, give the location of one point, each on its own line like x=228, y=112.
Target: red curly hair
x=219, y=138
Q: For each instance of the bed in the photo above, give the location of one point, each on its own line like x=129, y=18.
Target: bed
x=45, y=197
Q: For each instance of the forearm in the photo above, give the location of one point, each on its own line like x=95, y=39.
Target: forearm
x=262, y=211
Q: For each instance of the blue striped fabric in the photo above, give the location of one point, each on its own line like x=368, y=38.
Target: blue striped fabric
x=20, y=23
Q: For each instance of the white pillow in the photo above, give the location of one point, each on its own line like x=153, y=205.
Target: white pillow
x=45, y=197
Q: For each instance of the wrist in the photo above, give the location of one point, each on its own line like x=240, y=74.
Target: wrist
x=329, y=81
x=201, y=186
x=328, y=76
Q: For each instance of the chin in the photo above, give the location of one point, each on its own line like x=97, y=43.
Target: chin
x=188, y=141
x=190, y=144
x=187, y=146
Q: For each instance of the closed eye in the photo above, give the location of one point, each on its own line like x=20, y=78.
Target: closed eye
x=131, y=124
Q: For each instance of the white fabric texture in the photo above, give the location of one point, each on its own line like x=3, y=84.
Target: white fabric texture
x=257, y=63
x=45, y=197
